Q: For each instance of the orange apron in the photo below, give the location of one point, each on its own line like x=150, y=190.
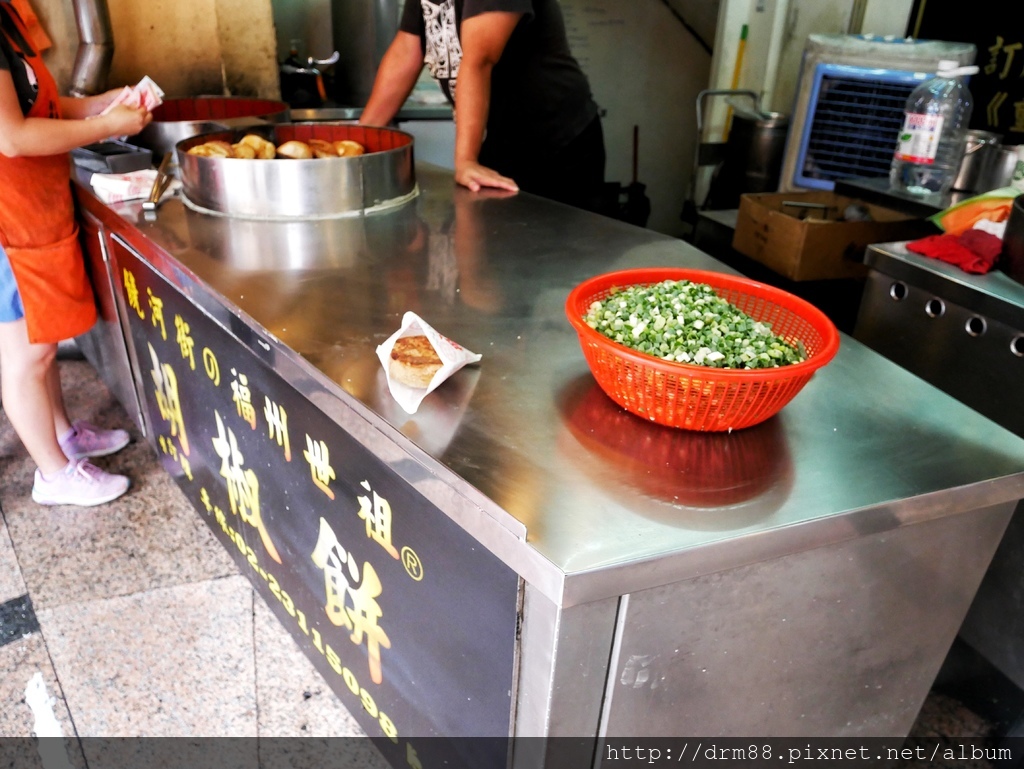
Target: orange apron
x=38, y=230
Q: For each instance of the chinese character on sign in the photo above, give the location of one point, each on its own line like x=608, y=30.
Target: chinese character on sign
x=211, y=366
x=132, y=291
x=352, y=604
x=1018, y=117
x=995, y=104
x=318, y=456
x=242, y=397
x=243, y=485
x=156, y=310
x=167, y=398
x=1001, y=48
x=185, y=342
x=168, y=447
x=377, y=514
x=277, y=421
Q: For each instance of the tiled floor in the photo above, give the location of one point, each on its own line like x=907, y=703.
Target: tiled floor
x=139, y=623
x=135, y=617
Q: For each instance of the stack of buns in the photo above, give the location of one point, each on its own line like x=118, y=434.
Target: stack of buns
x=253, y=147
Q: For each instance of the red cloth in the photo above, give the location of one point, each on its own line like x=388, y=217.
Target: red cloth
x=974, y=251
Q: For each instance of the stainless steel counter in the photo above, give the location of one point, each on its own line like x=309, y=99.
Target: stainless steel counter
x=493, y=274
x=589, y=505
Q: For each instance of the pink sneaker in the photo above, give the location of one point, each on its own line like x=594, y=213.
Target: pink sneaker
x=86, y=440
x=81, y=483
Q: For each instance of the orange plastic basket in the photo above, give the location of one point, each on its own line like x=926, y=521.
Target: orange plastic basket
x=700, y=397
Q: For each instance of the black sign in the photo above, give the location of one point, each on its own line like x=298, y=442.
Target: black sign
x=409, y=619
x=998, y=89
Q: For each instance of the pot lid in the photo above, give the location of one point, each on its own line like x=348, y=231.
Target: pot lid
x=761, y=119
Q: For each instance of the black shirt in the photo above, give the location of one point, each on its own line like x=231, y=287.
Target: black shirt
x=540, y=98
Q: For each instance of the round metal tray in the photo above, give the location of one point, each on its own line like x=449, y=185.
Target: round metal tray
x=178, y=119
x=318, y=188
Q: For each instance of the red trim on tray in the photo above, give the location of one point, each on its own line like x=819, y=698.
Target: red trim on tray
x=216, y=107
x=374, y=139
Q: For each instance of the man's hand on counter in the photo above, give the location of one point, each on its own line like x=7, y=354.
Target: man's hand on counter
x=475, y=176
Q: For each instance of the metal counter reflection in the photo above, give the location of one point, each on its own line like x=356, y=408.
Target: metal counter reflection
x=722, y=474
x=493, y=274
x=326, y=244
x=435, y=422
x=313, y=285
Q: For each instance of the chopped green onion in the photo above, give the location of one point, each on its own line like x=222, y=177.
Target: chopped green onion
x=679, y=320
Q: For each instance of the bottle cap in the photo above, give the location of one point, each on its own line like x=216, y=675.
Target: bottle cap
x=949, y=68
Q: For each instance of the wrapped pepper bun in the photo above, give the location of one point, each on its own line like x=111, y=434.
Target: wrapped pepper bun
x=414, y=361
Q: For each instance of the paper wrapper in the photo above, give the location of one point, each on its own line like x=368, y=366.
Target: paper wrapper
x=145, y=93
x=453, y=357
x=117, y=188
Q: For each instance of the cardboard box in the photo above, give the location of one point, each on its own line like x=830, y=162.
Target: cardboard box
x=807, y=236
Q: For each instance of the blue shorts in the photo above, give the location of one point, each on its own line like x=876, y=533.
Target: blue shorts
x=10, y=300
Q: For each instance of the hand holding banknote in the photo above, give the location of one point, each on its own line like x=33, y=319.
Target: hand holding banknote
x=145, y=94
x=132, y=106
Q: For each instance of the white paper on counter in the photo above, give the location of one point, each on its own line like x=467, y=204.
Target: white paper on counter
x=453, y=357
x=117, y=188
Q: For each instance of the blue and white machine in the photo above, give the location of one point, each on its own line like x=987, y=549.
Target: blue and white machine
x=849, y=104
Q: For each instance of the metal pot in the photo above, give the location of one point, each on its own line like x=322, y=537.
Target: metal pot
x=282, y=189
x=758, y=140
x=979, y=167
x=752, y=156
x=1001, y=170
x=303, y=86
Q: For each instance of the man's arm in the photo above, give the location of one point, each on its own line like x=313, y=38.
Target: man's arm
x=483, y=41
x=396, y=77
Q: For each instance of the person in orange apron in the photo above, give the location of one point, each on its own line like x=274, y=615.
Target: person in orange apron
x=45, y=295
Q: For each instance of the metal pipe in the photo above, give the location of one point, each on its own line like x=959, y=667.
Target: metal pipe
x=363, y=30
x=856, y=25
x=776, y=43
x=95, y=48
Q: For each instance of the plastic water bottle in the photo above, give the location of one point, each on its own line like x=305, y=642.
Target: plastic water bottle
x=931, y=144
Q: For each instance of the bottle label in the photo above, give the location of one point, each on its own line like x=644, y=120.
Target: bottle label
x=919, y=139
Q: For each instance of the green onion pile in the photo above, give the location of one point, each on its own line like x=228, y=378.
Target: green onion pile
x=687, y=322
